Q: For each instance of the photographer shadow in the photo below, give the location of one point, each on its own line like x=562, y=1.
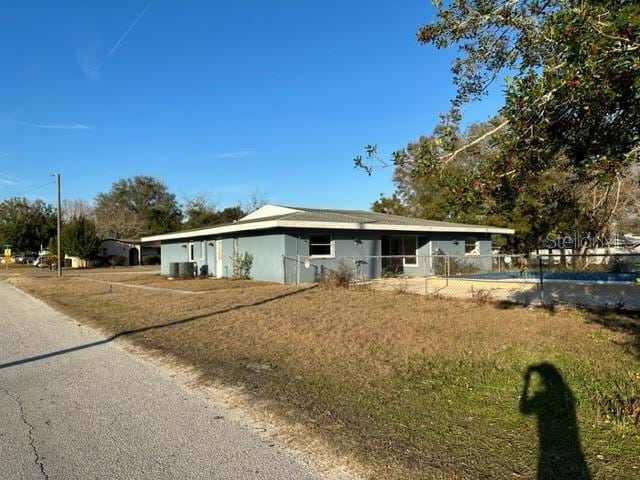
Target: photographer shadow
x=560, y=453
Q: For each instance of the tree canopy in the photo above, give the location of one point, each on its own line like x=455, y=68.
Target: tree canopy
x=554, y=201
x=76, y=207
x=576, y=73
x=199, y=211
x=26, y=225
x=562, y=149
x=135, y=207
x=79, y=238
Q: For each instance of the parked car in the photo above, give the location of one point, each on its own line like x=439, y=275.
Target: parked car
x=24, y=258
x=46, y=261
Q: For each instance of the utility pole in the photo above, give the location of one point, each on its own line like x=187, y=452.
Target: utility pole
x=60, y=260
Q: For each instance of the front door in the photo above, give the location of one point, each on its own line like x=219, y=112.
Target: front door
x=134, y=258
x=218, y=258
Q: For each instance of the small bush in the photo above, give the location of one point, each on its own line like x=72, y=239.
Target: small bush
x=151, y=260
x=402, y=288
x=482, y=296
x=456, y=264
x=618, y=401
x=618, y=265
x=341, y=277
x=98, y=262
x=460, y=266
x=392, y=271
x=241, y=265
x=439, y=264
x=116, y=260
x=50, y=261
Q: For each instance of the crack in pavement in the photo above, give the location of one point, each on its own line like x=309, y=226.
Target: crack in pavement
x=38, y=460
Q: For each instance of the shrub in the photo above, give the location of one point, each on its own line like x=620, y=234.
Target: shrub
x=116, y=260
x=456, y=265
x=97, y=262
x=461, y=267
x=618, y=401
x=618, y=265
x=439, y=263
x=341, y=277
x=151, y=260
x=402, y=288
x=241, y=265
x=482, y=296
x=392, y=271
x=50, y=261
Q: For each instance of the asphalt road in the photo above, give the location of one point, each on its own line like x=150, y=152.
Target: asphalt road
x=100, y=412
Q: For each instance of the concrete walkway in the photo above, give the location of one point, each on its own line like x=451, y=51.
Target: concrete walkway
x=99, y=412
x=143, y=287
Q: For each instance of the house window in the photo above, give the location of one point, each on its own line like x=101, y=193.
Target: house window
x=471, y=246
x=191, y=248
x=235, y=246
x=405, y=246
x=203, y=249
x=320, y=246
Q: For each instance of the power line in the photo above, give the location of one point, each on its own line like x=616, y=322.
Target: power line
x=35, y=188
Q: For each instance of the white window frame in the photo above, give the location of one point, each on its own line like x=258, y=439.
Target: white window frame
x=203, y=250
x=332, y=245
x=191, y=251
x=476, y=248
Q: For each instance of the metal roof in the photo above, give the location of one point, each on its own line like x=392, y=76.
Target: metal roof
x=278, y=216
x=360, y=216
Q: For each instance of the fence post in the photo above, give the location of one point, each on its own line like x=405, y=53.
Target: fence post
x=284, y=269
x=541, y=281
x=447, y=270
x=426, y=276
x=297, y=269
x=355, y=270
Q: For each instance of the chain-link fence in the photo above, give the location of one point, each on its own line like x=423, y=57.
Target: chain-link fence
x=594, y=280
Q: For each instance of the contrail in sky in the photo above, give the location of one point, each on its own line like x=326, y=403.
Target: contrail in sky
x=124, y=35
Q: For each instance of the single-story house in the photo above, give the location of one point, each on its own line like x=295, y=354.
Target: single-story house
x=294, y=244
x=132, y=250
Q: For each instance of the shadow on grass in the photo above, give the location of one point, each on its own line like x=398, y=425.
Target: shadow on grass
x=559, y=451
x=610, y=317
x=513, y=304
x=620, y=322
x=148, y=328
x=616, y=320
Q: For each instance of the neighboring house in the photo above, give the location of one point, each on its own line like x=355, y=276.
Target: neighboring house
x=132, y=250
x=75, y=262
x=290, y=243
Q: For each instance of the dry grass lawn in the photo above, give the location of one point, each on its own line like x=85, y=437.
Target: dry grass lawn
x=412, y=386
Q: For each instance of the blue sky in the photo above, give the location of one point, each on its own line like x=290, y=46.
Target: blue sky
x=222, y=98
